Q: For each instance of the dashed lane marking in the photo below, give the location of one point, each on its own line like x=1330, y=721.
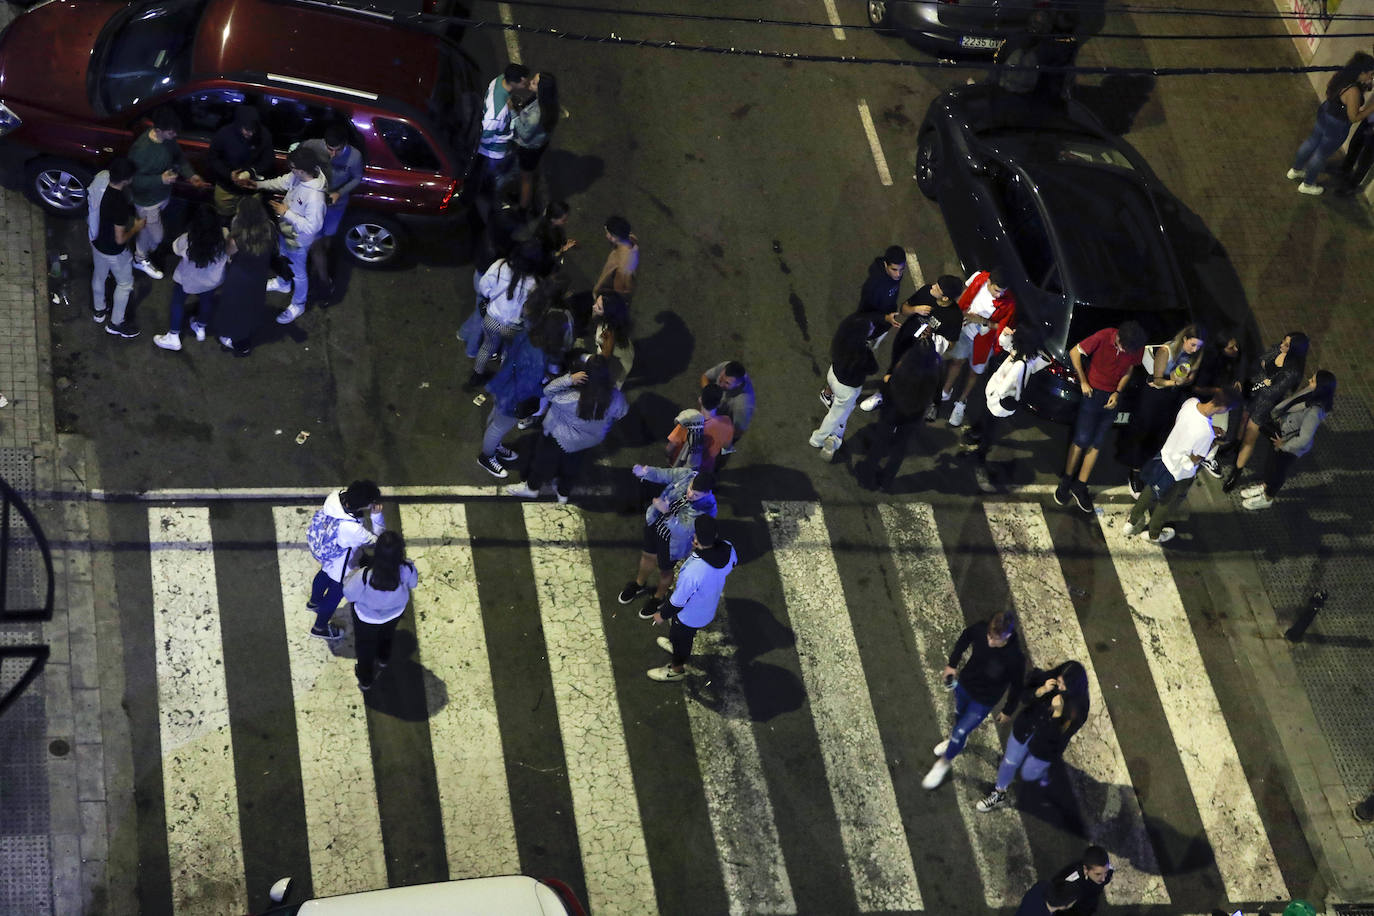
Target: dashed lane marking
x=879, y=159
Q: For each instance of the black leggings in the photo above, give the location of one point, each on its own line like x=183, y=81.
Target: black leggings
x=551, y=463
x=1277, y=471
x=890, y=436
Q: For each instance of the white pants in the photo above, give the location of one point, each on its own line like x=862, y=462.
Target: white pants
x=840, y=409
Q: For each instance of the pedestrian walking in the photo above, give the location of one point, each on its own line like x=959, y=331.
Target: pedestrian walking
x=1042, y=729
x=1047, y=897
x=989, y=307
x=669, y=523
x=536, y=115
x=349, y=520
x=517, y=388
x=1292, y=425
x=1170, y=367
x=1002, y=396
x=1343, y=106
x=851, y=362
x=344, y=163
x=1086, y=878
x=503, y=290
x=738, y=404
x=908, y=393
x=1167, y=477
x=699, y=435
x=379, y=592
x=301, y=216
x=583, y=405
x=112, y=223
x=241, y=309
x=244, y=145
x=696, y=595
x=995, y=666
x=1280, y=371
x=493, y=160
x=158, y=162
x=610, y=335
x=204, y=251
x=1112, y=353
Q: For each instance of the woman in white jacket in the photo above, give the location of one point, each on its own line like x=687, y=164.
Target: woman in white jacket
x=505, y=287
x=301, y=215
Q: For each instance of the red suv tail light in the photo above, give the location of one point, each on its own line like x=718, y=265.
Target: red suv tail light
x=448, y=196
x=1063, y=372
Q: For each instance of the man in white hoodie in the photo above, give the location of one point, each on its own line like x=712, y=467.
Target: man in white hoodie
x=301, y=215
x=336, y=537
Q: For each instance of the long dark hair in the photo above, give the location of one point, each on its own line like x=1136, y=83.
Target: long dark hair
x=1323, y=394
x=1296, y=359
x=597, y=391
x=552, y=334
x=1349, y=75
x=615, y=313
x=384, y=572
x=1075, y=693
x=523, y=263
x=251, y=230
x=916, y=379
x=205, y=242
x=547, y=91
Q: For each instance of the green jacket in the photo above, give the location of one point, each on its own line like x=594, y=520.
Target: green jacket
x=151, y=160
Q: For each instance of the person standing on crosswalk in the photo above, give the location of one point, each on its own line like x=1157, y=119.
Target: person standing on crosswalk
x=1042, y=729
x=995, y=666
x=696, y=594
x=336, y=537
x=668, y=528
x=379, y=592
x=1086, y=878
x=1047, y=897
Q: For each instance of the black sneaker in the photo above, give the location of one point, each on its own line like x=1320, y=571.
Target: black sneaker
x=367, y=686
x=100, y=316
x=631, y=591
x=328, y=632
x=506, y=454
x=1133, y=483
x=1082, y=496
x=126, y=330
x=489, y=464
x=650, y=609
x=1061, y=492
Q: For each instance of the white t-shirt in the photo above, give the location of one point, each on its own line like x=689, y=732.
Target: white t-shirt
x=1192, y=435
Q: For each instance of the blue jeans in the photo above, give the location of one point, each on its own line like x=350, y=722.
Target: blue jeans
x=205, y=310
x=1325, y=139
x=300, y=276
x=968, y=715
x=121, y=267
x=325, y=595
x=1095, y=419
x=1019, y=757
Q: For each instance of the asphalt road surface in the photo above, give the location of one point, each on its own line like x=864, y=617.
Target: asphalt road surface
x=517, y=731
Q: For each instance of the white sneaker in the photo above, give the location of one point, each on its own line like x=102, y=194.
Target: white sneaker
x=829, y=447
x=147, y=267
x=939, y=749
x=1165, y=534
x=936, y=774
x=1255, y=489
x=1294, y=174
x=1311, y=189
x=169, y=341
x=870, y=403
x=278, y=285
x=227, y=342
x=946, y=395
x=1129, y=531
x=1257, y=502
x=291, y=314
x=198, y=329
x=523, y=491
x=956, y=414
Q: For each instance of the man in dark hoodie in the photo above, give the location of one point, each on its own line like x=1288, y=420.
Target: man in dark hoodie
x=242, y=145
x=696, y=594
x=851, y=361
x=878, y=300
x=995, y=666
x=1086, y=879
x=1045, y=898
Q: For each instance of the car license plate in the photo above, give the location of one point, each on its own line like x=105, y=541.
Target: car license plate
x=1122, y=418
x=977, y=41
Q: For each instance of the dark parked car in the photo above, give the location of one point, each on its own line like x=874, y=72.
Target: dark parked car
x=79, y=80
x=1070, y=212
x=975, y=27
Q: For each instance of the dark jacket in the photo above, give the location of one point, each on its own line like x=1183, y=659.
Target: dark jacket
x=230, y=152
x=989, y=671
x=878, y=297
x=850, y=356
x=1089, y=891
x=1036, y=726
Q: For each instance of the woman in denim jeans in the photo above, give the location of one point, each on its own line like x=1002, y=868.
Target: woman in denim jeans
x=1343, y=106
x=1042, y=729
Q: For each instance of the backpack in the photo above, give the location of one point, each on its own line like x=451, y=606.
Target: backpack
x=322, y=537
x=94, y=195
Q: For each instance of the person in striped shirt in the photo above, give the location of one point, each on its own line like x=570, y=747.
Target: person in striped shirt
x=494, y=146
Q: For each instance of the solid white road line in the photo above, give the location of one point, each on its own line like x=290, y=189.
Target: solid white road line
x=732, y=777
x=856, y=770
x=614, y=857
x=204, y=846
x=1001, y=850
x=474, y=799
x=913, y=268
x=884, y=175
x=343, y=826
x=1097, y=767
x=512, y=39
x=1224, y=802
x=833, y=15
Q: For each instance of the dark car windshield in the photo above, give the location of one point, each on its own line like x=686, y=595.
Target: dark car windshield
x=146, y=53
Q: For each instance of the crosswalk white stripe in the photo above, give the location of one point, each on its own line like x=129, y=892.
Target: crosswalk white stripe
x=1001, y=850
x=1097, y=766
x=204, y=847
x=474, y=798
x=614, y=857
x=732, y=777
x=343, y=826
x=1221, y=794
x=860, y=785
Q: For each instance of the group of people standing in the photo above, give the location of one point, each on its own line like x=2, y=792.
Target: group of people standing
x=225, y=258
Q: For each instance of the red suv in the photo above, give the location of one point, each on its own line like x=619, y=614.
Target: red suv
x=79, y=78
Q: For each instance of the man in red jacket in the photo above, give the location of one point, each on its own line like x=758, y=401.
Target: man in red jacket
x=989, y=306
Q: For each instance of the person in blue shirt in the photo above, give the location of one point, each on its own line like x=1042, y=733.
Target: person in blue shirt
x=696, y=594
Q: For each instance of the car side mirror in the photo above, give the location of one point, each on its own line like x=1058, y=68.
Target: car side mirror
x=279, y=890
